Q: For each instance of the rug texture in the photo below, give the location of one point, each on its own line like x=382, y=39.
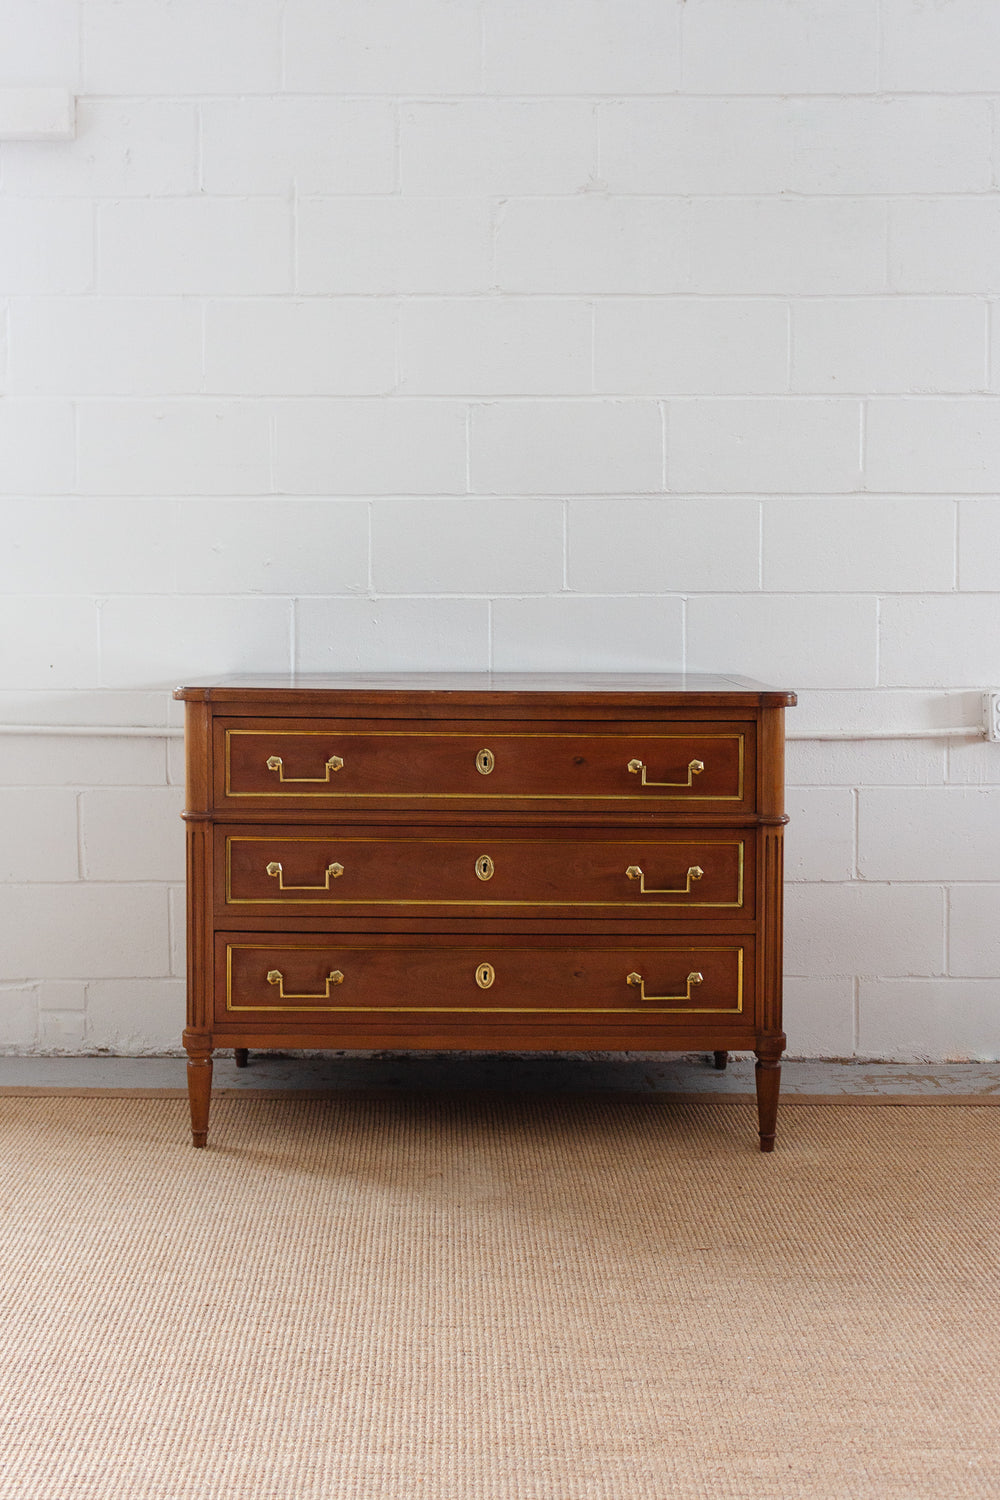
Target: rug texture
x=510, y=1298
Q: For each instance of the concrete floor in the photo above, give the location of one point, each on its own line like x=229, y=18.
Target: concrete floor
x=642, y=1073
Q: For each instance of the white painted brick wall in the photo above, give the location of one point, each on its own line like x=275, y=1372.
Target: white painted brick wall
x=38, y=834
x=525, y=334
x=691, y=346
x=391, y=246
x=499, y=147
x=182, y=47
x=561, y=447
x=920, y=834
x=816, y=640
x=150, y=638
x=944, y=244
x=139, y=149
x=956, y=1021
x=465, y=546
x=130, y=833
x=511, y=346
x=47, y=51
x=233, y=547
x=238, y=246
x=781, y=47
x=580, y=47
x=37, y=447
x=854, y=543
x=653, y=546
x=45, y=541
x=724, y=446
x=172, y=447
x=102, y=346
x=46, y=245
x=101, y=931
x=392, y=634
x=940, y=48
x=382, y=47
x=361, y=447
x=272, y=145
x=889, y=344
x=319, y=347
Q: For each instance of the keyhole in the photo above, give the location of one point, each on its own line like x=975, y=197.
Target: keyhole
x=485, y=976
x=484, y=867
x=485, y=762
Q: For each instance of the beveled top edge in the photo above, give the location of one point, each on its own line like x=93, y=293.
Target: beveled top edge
x=473, y=686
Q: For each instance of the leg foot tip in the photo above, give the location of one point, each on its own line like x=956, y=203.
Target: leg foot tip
x=767, y=1143
x=199, y=1137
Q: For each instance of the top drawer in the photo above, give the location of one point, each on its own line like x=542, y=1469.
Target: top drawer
x=321, y=764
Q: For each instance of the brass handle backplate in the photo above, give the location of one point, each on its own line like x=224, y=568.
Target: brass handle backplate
x=275, y=976
x=634, y=872
x=333, y=872
x=638, y=981
x=275, y=763
x=695, y=768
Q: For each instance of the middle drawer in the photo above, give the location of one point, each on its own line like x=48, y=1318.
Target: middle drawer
x=260, y=871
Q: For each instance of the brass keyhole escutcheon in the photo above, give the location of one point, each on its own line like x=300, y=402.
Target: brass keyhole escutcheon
x=484, y=867
x=485, y=761
x=485, y=976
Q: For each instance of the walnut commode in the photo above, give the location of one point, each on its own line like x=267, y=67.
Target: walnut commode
x=497, y=862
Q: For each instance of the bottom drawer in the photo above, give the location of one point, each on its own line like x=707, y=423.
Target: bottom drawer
x=266, y=979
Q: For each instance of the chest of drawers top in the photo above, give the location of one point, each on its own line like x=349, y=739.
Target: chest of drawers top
x=466, y=689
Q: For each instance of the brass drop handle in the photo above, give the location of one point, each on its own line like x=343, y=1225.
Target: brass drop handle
x=275, y=976
x=638, y=981
x=634, y=872
x=333, y=872
x=695, y=768
x=275, y=763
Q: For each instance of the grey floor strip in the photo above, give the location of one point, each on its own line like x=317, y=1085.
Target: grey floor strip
x=645, y=1073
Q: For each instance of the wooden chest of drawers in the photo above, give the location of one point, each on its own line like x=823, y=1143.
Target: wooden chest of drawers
x=495, y=862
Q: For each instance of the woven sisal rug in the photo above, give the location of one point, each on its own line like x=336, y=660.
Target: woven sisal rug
x=525, y=1298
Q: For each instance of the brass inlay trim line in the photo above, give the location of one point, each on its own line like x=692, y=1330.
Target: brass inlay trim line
x=488, y=1010
x=599, y=796
x=232, y=900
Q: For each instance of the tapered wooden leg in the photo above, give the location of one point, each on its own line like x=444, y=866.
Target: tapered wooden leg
x=242, y=1056
x=768, y=1076
x=719, y=1060
x=199, y=1076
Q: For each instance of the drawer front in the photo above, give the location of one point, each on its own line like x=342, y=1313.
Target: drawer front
x=263, y=979
x=316, y=764
x=311, y=871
